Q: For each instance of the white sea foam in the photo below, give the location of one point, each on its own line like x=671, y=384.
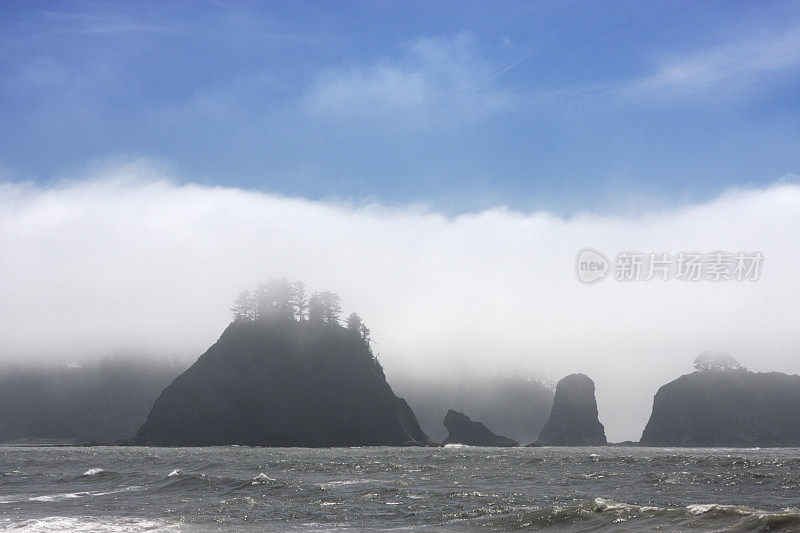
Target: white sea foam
x=337, y=483
x=58, y=497
x=176, y=472
x=88, y=524
x=790, y=514
x=602, y=505
x=93, y=472
x=702, y=508
x=117, y=491
x=262, y=478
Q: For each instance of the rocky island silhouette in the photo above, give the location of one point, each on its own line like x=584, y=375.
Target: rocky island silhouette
x=285, y=372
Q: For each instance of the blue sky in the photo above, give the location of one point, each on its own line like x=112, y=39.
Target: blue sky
x=561, y=106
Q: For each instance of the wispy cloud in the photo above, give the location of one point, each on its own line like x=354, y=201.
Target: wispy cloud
x=729, y=68
x=87, y=23
x=433, y=77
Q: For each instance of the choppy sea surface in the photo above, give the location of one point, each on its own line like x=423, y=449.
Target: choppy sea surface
x=419, y=489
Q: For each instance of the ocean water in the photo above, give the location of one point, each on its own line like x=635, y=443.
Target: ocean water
x=405, y=489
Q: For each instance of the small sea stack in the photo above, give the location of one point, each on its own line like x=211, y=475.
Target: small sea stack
x=462, y=430
x=573, y=418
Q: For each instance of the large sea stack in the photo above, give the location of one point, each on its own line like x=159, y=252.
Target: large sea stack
x=282, y=382
x=573, y=419
x=462, y=430
x=723, y=404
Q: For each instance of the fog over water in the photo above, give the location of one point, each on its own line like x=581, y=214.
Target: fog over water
x=131, y=258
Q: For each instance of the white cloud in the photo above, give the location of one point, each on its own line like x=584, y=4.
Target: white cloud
x=725, y=69
x=443, y=79
x=126, y=258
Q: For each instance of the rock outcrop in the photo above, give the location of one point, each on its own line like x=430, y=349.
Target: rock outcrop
x=282, y=383
x=462, y=430
x=726, y=407
x=573, y=419
x=514, y=406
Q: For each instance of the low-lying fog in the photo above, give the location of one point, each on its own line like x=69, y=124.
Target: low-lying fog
x=131, y=259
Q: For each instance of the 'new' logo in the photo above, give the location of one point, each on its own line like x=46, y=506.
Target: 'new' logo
x=591, y=266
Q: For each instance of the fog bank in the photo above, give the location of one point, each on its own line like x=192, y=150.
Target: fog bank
x=131, y=259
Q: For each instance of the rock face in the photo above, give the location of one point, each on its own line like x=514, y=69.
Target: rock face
x=282, y=383
x=573, y=419
x=726, y=408
x=462, y=430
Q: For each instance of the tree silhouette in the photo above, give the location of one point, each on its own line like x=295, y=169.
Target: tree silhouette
x=284, y=299
x=298, y=300
x=324, y=308
x=331, y=307
x=244, y=307
x=275, y=299
x=315, y=311
x=357, y=326
x=715, y=361
x=354, y=323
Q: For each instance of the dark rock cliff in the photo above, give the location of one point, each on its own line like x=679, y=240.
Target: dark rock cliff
x=282, y=383
x=726, y=408
x=573, y=419
x=462, y=430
